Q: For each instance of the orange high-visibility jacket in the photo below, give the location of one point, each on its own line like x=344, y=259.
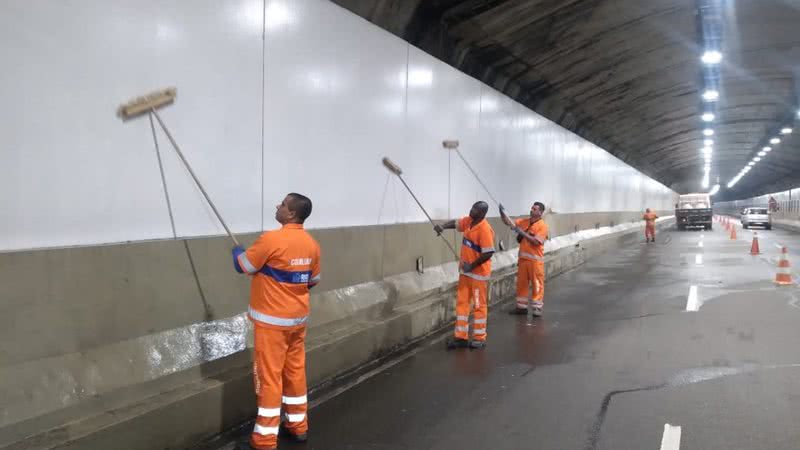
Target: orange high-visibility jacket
x=477, y=239
x=650, y=218
x=527, y=249
x=285, y=265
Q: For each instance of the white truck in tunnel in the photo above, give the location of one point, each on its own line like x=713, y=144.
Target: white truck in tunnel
x=693, y=210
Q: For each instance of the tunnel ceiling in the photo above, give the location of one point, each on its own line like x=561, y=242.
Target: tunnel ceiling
x=627, y=75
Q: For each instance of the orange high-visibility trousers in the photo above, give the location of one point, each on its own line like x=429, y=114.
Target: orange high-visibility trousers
x=650, y=231
x=530, y=277
x=471, y=294
x=279, y=366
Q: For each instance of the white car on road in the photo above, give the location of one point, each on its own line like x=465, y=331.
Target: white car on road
x=756, y=216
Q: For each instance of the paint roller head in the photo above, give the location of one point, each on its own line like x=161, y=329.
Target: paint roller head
x=451, y=144
x=394, y=168
x=145, y=103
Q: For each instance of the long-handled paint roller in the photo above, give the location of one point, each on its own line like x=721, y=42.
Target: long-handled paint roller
x=395, y=169
x=452, y=144
x=148, y=104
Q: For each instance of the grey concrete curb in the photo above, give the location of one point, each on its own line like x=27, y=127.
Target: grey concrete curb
x=177, y=415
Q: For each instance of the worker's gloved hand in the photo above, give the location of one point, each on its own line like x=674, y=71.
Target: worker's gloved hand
x=438, y=229
x=236, y=251
x=466, y=267
x=503, y=216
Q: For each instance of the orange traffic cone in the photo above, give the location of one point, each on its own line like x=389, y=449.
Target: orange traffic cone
x=733, y=232
x=784, y=275
x=754, y=250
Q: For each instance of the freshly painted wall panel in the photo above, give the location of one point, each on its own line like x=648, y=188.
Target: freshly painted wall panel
x=331, y=93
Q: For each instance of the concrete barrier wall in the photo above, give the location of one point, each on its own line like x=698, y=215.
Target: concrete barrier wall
x=157, y=337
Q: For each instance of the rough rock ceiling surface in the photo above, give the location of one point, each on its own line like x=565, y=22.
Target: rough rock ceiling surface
x=626, y=74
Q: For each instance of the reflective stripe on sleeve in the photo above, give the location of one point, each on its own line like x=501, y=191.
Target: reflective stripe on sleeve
x=245, y=264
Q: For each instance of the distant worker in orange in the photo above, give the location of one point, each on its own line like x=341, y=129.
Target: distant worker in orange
x=284, y=265
x=475, y=269
x=532, y=232
x=649, y=218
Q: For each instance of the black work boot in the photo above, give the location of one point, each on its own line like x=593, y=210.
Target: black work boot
x=245, y=445
x=456, y=343
x=294, y=437
x=518, y=311
x=477, y=345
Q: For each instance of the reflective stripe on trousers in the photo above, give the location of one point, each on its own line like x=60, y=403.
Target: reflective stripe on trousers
x=280, y=382
x=471, y=295
x=527, y=255
x=273, y=320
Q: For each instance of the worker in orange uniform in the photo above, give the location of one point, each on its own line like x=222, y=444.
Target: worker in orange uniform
x=649, y=218
x=284, y=265
x=475, y=268
x=532, y=232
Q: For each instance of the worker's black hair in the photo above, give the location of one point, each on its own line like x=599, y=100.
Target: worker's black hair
x=300, y=205
x=540, y=205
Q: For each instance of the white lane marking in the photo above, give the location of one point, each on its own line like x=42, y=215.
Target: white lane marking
x=671, y=440
x=692, y=304
x=698, y=259
x=700, y=244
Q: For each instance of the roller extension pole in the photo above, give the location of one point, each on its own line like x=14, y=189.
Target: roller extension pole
x=453, y=145
x=148, y=104
x=194, y=177
x=395, y=169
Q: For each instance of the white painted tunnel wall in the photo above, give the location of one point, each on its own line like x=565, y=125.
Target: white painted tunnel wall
x=338, y=94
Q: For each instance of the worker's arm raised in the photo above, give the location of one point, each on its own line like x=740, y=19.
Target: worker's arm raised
x=467, y=267
x=439, y=228
x=253, y=259
x=534, y=239
x=506, y=220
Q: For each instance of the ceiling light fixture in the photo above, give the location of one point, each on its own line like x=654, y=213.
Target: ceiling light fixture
x=708, y=132
x=711, y=57
x=708, y=142
x=708, y=117
x=767, y=149
x=774, y=141
x=786, y=130
x=710, y=95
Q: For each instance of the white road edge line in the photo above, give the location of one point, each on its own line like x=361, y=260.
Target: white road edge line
x=671, y=440
x=692, y=304
x=698, y=259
